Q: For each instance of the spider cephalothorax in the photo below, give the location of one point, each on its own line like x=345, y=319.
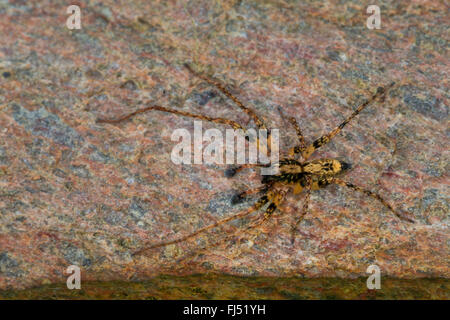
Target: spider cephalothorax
x=293, y=176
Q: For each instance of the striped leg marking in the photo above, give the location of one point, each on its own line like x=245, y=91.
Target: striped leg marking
x=326, y=138
x=259, y=123
x=373, y=195
x=261, y=202
x=231, y=123
x=301, y=139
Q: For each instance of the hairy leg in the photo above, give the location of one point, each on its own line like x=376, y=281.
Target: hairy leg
x=239, y=197
x=262, y=201
x=326, y=138
x=373, y=195
x=276, y=197
x=301, y=139
x=259, y=123
x=302, y=143
x=231, y=123
x=230, y=172
x=233, y=170
x=253, y=224
x=304, y=210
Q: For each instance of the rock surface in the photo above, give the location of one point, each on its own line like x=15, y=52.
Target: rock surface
x=73, y=191
x=224, y=287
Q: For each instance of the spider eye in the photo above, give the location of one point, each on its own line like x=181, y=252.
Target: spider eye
x=345, y=166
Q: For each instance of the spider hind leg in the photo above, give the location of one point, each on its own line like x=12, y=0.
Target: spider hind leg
x=372, y=195
x=261, y=202
x=240, y=197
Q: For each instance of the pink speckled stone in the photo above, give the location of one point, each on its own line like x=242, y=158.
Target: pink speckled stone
x=73, y=191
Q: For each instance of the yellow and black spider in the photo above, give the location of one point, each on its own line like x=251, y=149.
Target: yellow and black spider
x=294, y=176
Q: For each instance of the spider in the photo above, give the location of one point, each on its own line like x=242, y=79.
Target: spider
x=293, y=176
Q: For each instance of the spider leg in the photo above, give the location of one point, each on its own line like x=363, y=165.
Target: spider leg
x=256, y=221
x=259, y=123
x=262, y=149
x=276, y=201
x=233, y=170
x=231, y=123
x=236, y=126
x=260, y=220
x=326, y=138
x=302, y=143
x=239, y=197
x=304, y=210
x=373, y=195
x=276, y=198
x=301, y=139
x=262, y=201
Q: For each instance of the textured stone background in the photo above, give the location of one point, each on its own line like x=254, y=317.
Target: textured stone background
x=222, y=287
x=76, y=192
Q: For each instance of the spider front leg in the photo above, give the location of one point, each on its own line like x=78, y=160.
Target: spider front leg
x=373, y=195
x=381, y=92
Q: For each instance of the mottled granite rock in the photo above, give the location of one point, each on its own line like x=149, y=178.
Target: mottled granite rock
x=73, y=191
